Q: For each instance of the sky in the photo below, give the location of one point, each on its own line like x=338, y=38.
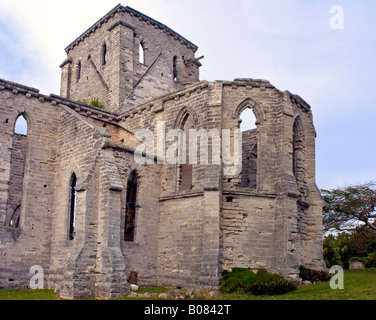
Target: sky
x=322, y=50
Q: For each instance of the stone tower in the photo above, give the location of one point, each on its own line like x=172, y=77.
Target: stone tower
x=127, y=58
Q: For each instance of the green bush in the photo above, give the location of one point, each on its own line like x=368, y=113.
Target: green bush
x=234, y=281
x=231, y=285
x=361, y=259
x=313, y=275
x=259, y=283
x=370, y=261
x=274, y=287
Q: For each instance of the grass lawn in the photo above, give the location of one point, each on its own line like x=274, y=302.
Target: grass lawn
x=358, y=285
x=15, y=294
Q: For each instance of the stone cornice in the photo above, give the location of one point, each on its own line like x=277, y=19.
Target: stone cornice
x=81, y=108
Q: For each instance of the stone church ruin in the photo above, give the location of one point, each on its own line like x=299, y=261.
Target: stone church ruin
x=74, y=201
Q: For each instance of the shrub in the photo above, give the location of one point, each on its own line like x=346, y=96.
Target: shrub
x=231, y=285
x=234, y=280
x=370, y=261
x=313, y=275
x=274, y=287
x=262, y=282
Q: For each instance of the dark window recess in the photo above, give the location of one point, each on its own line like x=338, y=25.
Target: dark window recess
x=174, y=68
x=104, y=54
x=186, y=177
x=78, y=75
x=72, y=207
x=130, y=209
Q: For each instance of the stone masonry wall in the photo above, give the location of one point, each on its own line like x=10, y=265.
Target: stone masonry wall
x=29, y=245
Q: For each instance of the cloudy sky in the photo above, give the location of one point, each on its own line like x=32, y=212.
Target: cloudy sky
x=298, y=45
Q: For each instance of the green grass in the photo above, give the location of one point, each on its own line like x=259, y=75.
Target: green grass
x=358, y=285
x=15, y=294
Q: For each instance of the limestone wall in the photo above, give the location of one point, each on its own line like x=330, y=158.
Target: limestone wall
x=29, y=245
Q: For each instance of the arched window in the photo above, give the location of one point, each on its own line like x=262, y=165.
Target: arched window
x=72, y=206
x=21, y=125
x=78, y=74
x=130, y=207
x=186, y=169
x=104, y=54
x=248, y=120
x=141, y=53
x=17, y=169
x=249, y=149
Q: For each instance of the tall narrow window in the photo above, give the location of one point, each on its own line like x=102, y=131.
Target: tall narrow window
x=78, y=74
x=141, y=53
x=248, y=129
x=16, y=177
x=174, y=69
x=186, y=169
x=104, y=54
x=72, y=206
x=130, y=208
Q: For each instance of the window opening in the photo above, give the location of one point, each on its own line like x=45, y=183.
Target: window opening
x=78, y=70
x=21, y=125
x=248, y=120
x=141, y=53
x=130, y=208
x=174, y=72
x=72, y=207
x=104, y=54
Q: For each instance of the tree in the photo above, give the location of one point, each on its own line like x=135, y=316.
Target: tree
x=351, y=208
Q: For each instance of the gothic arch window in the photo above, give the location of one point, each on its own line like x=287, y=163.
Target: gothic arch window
x=130, y=207
x=104, y=54
x=72, y=206
x=17, y=169
x=248, y=128
x=141, y=53
x=21, y=125
x=247, y=120
x=185, y=172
